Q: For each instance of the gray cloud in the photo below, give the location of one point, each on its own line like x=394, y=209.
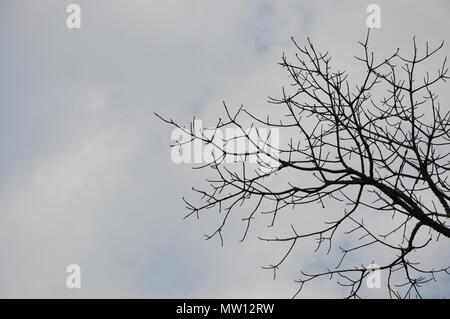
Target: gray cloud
x=86, y=175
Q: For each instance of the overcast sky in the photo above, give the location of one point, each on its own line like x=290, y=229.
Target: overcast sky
x=86, y=175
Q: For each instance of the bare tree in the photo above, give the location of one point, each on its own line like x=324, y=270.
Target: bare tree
x=380, y=147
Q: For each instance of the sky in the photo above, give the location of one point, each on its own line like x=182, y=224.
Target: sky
x=86, y=175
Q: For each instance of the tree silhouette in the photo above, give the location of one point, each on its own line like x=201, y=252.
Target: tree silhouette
x=380, y=147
